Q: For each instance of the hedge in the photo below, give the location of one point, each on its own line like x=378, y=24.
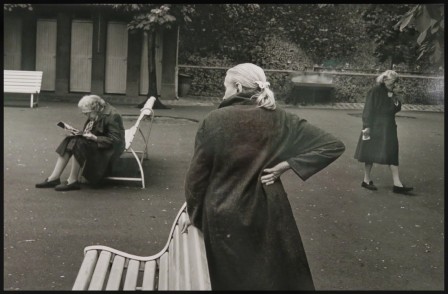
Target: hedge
x=351, y=88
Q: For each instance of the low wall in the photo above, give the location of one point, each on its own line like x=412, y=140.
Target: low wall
x=350, y=87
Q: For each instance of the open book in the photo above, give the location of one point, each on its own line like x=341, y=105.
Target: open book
x=72, y=130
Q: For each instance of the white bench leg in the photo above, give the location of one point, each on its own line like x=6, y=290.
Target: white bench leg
x=140, y=167
x=32, y=100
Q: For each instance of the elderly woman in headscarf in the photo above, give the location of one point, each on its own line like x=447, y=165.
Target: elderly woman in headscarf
x=378, y=141
x=93, y=150
x=233, y=190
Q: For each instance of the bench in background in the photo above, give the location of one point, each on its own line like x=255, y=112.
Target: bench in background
x=24, y=82
x=180, y=265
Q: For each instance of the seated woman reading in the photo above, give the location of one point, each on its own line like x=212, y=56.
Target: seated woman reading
x=95, y=148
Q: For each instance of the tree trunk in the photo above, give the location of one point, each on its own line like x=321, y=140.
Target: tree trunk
x=152, y=83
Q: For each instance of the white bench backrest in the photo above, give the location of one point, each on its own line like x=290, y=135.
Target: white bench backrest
x=146, y=110
x=22, y=81
x=182, y=265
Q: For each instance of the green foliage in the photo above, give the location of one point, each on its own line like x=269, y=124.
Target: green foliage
x=325, y=32
x=150, y=17
x=390, y=44
x=11, y=7
x=206, y=82
x=352, y=89
x=277, y=53
x=245, y=33
x=328, y=34
x=428, y=20
x=224, y=31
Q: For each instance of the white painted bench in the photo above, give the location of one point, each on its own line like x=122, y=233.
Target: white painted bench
x=180, y=265
x=146, y=113
x=23, y=81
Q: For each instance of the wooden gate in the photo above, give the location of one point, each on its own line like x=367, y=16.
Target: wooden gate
x=116, y=58
x=81, y=56
x=144, y=71
x=46, y=52
x=12, y=43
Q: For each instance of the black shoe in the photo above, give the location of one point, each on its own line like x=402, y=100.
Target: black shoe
x=402, y=190
x=48, y=184
x=369, y=186
x=68, y=187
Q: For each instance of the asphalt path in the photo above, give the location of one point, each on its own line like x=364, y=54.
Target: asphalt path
x=355, y=239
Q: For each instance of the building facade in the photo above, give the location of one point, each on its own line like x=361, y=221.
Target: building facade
x=85, y=49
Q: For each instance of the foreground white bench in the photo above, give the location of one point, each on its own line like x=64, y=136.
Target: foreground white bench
x=23, y=81
x=180, y=265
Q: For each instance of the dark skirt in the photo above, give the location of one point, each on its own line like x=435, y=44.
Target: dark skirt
x=97, y=161
x=382, y=148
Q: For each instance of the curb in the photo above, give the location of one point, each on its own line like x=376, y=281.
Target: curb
x=344, y=106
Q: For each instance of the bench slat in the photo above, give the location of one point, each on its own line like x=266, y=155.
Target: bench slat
x=19, y=72
x=18, y=86
x=149, y=275
x=21, y=83
x=85, y=272
x=199, y=267
x=113, y=282
x=7, y=82
x=99, y=275
x=177, y=256
x=130, y=282
x=28, y=84
x=21, y=90
x=163, y=272
x=171, y=267
x=9, y=77
x=185, y=283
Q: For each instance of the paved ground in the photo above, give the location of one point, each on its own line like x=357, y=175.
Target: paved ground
x=355, y=239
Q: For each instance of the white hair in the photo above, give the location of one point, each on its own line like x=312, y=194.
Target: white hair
x=92, y=102
x=252, y=77
x=388, y=74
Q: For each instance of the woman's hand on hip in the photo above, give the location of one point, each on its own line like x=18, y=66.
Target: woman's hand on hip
x=272, y=174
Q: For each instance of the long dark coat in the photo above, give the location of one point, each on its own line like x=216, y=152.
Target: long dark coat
x=97, y=156
x=379, y=115
x=251, y=237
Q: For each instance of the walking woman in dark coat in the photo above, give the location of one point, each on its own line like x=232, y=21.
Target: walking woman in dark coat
x=378, y=142
x=233, y=190
x=95, y=148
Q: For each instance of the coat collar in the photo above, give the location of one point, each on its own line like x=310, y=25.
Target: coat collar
x=107, y=110
x=384, y=88
x=238, y=99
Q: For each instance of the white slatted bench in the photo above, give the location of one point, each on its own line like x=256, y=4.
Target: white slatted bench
x=180, y=265
x=23, y=81
x=146, y=113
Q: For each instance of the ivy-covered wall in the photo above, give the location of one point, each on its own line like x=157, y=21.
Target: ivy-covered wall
x=208, y=83
x=287, y=39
